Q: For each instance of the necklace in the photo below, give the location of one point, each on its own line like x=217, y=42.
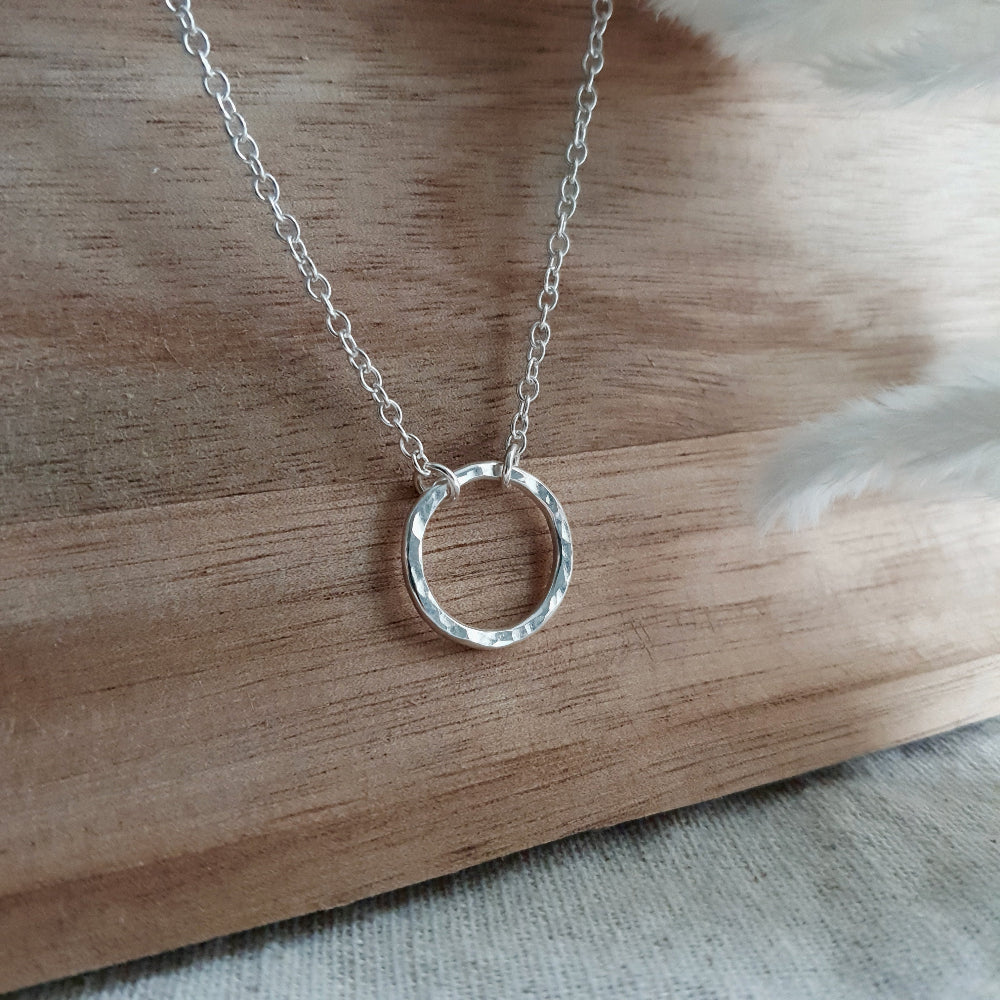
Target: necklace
x=434, y=481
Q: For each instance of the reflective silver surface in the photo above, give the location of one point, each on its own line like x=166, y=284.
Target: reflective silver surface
x=416, y=579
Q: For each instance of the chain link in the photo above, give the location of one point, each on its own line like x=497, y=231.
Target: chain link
x=318, y=287
x=569, y=193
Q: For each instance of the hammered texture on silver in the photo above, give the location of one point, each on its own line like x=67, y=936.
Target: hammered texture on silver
x=416, y=579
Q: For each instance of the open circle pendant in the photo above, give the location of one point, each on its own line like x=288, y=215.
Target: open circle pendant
x=416, y=578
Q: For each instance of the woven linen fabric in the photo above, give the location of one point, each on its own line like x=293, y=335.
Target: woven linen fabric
x=878, y=878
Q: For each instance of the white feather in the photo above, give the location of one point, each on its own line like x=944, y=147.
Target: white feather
x=936, y=439
x=906, y=47
x=924, y=67
x=939, y=438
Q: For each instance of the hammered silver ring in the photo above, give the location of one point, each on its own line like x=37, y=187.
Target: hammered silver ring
x=416, y=578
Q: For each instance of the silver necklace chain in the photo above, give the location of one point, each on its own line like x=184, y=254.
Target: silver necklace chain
x=318, y=287
x=558, y=246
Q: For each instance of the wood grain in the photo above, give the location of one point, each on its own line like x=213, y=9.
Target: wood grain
x=217, y=707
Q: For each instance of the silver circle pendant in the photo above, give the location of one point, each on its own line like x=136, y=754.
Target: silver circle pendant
x=416, y=578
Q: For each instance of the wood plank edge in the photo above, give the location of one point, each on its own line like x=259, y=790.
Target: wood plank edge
x=67, y=928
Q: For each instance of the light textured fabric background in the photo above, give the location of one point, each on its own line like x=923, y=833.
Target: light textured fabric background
x=877, y=878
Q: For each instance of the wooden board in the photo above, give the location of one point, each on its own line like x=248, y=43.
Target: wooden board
x=218, y=707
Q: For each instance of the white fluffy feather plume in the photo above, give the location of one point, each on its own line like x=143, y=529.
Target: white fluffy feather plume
x=940, y=438
x=905, y=47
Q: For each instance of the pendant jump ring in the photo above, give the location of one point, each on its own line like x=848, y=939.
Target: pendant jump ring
x=444, y=474
x=509, y=462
